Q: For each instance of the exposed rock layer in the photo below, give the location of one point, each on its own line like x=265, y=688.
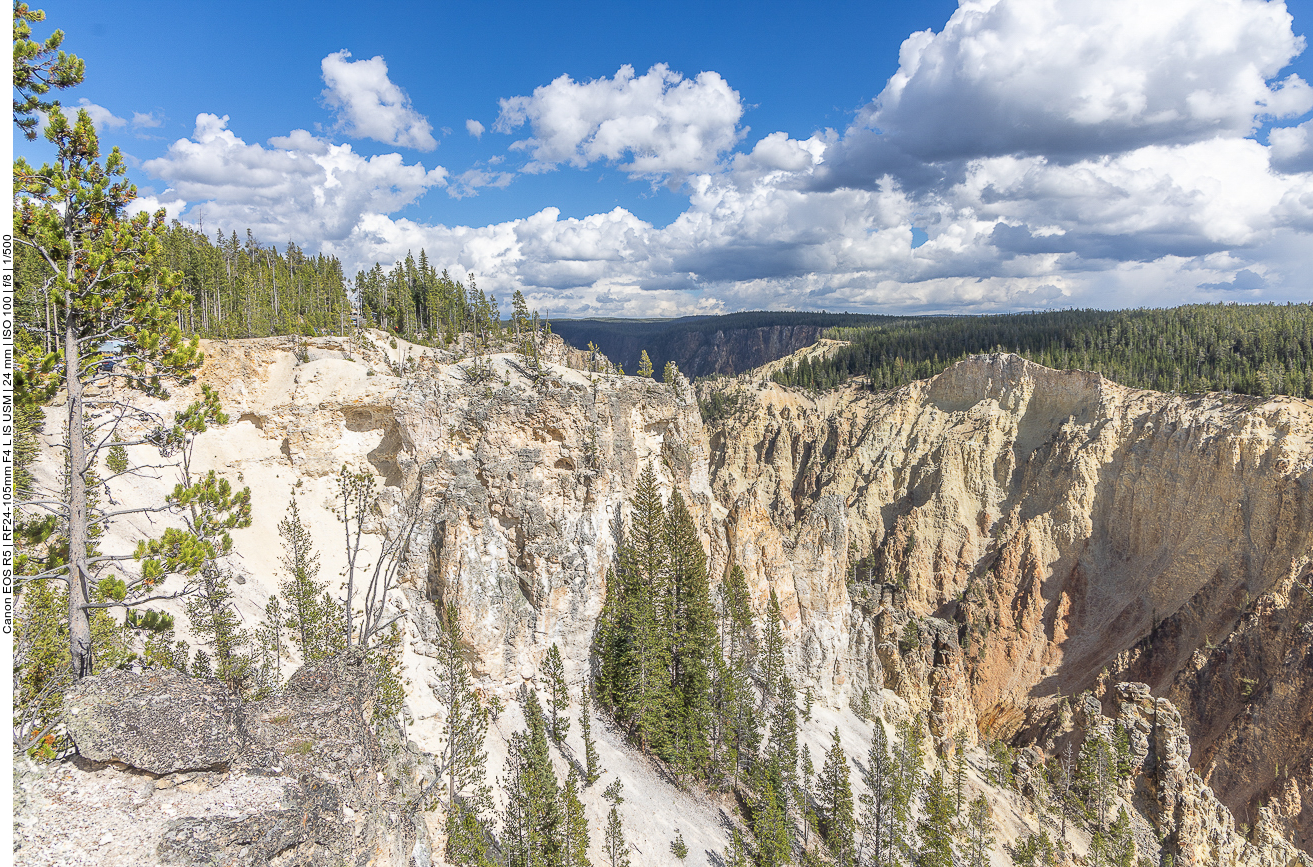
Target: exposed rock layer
x=1068, y=526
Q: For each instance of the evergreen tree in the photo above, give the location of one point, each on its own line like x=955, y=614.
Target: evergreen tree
x=774, y=641
x=208, y=508
x=575, y=849
x=782, y=742
x=39, y=66
x=693, y=624
x=1035, y=850
x=678, y=847
x=736, y=854
x=615, y=845
x=103, y=279
x=1121, y=841
x=770, y=827
x=935, y=829
x=836, y=801
x=807, y=795
x=591, y=770
x=200, y=666
x=979, y=833
x=468, y=839
x=670, y=373
x=463, y=755
x=310, y=615
x=645, y=366
x=117, y=459
x=905, y=786
x=558, y=694
x=879, y=836
x=533, y=819
x=269, y=652
x=959, y=769
x=1095, y=778
x=216, y=623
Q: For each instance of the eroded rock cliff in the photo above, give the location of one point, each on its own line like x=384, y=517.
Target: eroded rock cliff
x=1074, y=531
x=981, y=544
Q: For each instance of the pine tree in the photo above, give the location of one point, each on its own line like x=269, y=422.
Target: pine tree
x=879, y=835
x=905, y=786
x=807, y=795
x=216, y=623
x=979, y=833
x=670, y=373
x=576, y=824
x=310, y=623
x=269, y=652
x=591, y=770
x=39, y=66
x=782, y=742
x=207, y=508
x=1036, y=850
x=463, y=755
x=774, y=641
x=104, y=276
x=935, y=829
x=692, y=621
x=678, y=847
x=836, y=801
x=558, y=694
x=615, y=845
x=1095, y=771
x=645, y=366
x=1121, y=841
x=117, y=459
x=468, y=839
x=200, y=665
x=770, y=827
x=533, y=819
x=736, y=854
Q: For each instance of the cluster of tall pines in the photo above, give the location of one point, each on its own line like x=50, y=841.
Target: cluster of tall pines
x=241, y=287
x=1257, y=349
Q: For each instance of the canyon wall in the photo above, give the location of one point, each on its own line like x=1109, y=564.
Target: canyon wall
x=1074, y=532
x=983, y=544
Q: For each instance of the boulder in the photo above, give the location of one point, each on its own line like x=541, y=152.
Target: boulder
x=159, y=721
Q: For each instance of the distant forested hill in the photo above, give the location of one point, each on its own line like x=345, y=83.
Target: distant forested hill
x=1257, y=349
x=705, y=345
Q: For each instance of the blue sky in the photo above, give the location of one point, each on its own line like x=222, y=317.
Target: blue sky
x=1000, y=155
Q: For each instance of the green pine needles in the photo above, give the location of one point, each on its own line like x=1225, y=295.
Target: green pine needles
x=657, y=641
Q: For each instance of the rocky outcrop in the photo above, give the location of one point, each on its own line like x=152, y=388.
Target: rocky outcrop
x=1192, y=824
x=350, y=788
x=1068, y=526
x=159, y=721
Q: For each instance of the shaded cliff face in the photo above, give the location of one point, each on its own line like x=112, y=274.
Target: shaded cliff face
x=1069, y=528
x=697, y=352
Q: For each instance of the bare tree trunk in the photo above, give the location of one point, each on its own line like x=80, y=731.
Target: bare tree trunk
x=79, y=624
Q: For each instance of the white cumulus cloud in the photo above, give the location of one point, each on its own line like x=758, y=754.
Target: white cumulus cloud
x=474, y=128
x=1072, y=80
x=667, y=126
x=301, y=186
x=369, y=105
x=1052, y=153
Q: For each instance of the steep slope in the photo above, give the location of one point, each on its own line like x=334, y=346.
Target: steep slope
x=1074, y=532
